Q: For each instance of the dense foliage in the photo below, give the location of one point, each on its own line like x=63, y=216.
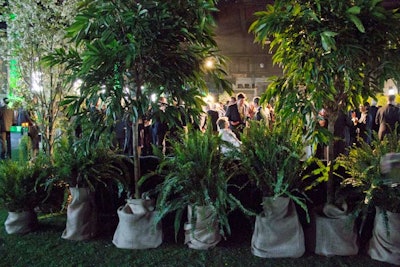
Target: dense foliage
x=125, y=51
x=334, y=54
x=35, y=29
x=18, y=180
x=197, y=174
x=79, y=167
x=364, y=174
x=272, y=157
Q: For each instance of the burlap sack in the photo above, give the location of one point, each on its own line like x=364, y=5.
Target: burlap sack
x=381, y=246
x=336, y=232
x=278, y=232
x=136, y=229
x=81, y=215
x=204, y=234
x=21, y=222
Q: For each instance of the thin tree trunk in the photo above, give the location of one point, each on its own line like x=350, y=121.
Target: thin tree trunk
x=135, y=154
x=331, y=185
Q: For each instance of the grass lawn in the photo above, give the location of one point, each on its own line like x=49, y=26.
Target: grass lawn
x=45, y=247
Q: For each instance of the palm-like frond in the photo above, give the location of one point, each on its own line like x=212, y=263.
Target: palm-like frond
x=18, y=183
x=363, y=169
x=197, y=174
x=272, y=158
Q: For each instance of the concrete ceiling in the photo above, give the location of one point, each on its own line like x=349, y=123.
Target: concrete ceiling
x=246, y=59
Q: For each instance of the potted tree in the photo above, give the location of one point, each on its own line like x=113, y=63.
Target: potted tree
x=385, y=242
x=151, y=48
x=327, y=62
x=330, y=53
x=372, y=170
x=196, y=179
x=83, y=170
x=334, y=228
x=18, y=193
x=272, y=158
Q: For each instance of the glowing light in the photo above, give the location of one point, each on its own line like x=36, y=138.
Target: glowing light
x=209, y=63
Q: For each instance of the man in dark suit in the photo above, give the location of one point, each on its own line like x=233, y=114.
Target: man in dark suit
x=373, y=110
x=387, y=117
x=6, y=121
x=237, y=114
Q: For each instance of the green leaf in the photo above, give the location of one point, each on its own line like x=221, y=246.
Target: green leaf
x=355, y=10
x=327, y=40
x=357, y=22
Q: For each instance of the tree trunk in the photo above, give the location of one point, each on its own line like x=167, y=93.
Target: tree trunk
x=331, y=185
x=135, y=154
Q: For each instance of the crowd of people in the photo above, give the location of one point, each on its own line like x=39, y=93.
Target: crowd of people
x=228, y=120
x=361, y=124
x=238, y=112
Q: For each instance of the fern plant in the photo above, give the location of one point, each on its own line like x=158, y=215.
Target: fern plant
x=79, y=166
x=18, y=191
x=272, y=159
x=197, y=174
x=363, y=174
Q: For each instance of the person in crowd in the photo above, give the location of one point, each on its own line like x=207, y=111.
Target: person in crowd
x=321, y=152
x=387, y=117
x=120, y=130
x=363, y=124
x=227, y=135
x=353, y=114
x=229, y=102
x=341, y=133
x=251, y=111
x=259, y=112
x=219, y=107
x=212, y=117
x=373, y=109
x=147, y=149
x=270, y=114
x=237, y=115
x=159, y=125
x=33, y=132
x=6, y=121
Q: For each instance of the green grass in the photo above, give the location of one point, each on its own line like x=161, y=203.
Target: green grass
x=45, y=247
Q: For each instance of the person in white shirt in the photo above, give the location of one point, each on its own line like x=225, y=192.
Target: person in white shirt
x=227, y=135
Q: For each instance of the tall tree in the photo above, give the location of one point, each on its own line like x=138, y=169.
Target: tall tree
x=34, y=29
x=334, y=54
x=127, y=50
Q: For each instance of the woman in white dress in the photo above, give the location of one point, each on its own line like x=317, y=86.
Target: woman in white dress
x=227, y=135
